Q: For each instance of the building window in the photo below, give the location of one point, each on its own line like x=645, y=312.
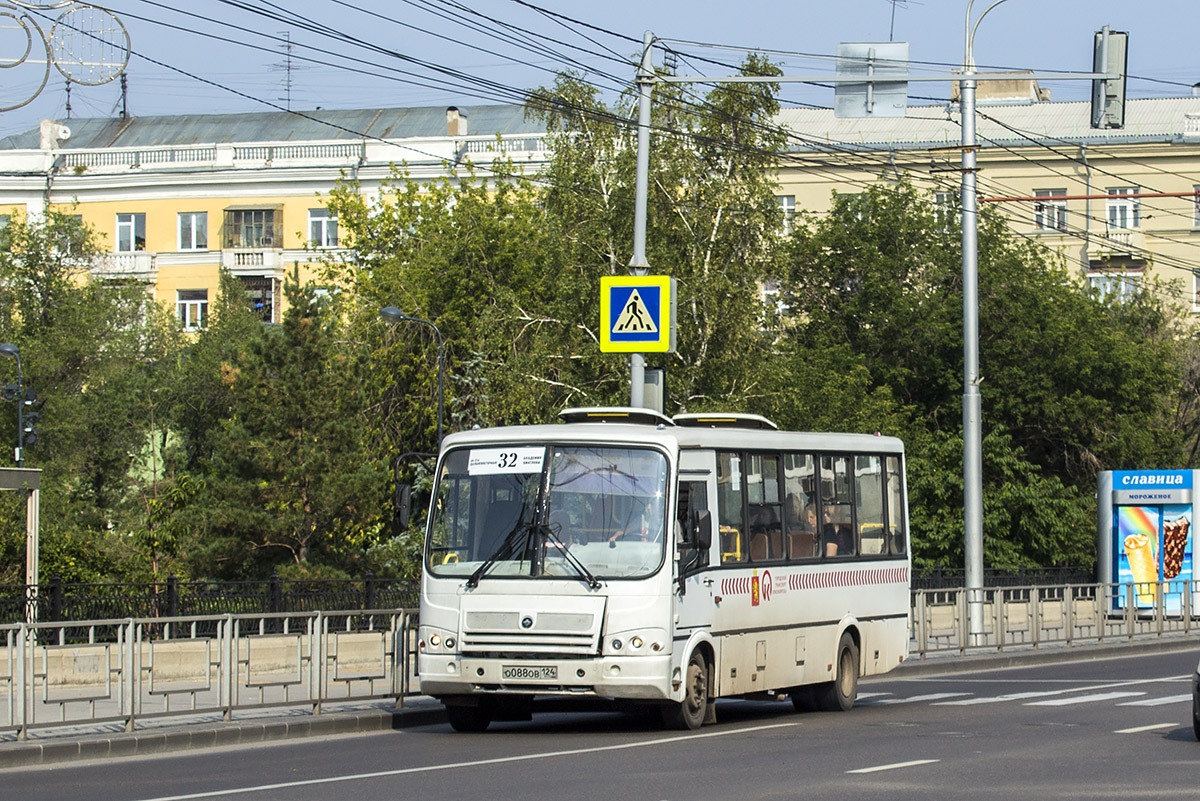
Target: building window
x=192, y=307
x=787, y=204
x=193, y=230
x=261, y=292
x=1121, y=285
x=131, y=232
x=1050, y=209
x=322, y=228
x=1124, y=211
x=1196, y=207
x=252, y=228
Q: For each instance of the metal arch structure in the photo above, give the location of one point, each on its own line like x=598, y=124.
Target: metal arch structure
x=88, y=45
x=29, y=26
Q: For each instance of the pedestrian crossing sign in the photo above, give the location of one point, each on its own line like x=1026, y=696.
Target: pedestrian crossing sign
x=637, y=314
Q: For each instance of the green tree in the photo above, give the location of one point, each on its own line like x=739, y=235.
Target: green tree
x=92, y=351
x=290, y=479
x=1073, y=383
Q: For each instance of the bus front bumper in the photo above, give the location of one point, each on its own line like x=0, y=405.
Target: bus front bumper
x=642, y=678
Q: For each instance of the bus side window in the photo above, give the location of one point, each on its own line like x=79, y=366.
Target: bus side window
x=730, y=508
x=895, y=505
x=693, y=496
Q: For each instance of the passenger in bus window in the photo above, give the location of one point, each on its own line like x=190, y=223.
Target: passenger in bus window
x=836, y=533
x=646, y=527
x=801, y=528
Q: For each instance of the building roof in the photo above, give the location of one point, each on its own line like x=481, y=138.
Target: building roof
x=278, y=126
x=1146, y=120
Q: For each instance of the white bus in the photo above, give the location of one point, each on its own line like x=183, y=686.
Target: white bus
x=784, y=571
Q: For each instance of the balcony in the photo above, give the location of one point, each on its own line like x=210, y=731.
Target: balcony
x=1127, y=241
x=140, y=265
x=252, y=261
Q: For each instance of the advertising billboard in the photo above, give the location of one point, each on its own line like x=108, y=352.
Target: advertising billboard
x=1146, y=519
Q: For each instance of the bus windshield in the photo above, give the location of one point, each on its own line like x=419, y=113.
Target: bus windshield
x=549, y=511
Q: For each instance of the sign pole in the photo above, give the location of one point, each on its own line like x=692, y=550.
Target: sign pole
x=638, y=265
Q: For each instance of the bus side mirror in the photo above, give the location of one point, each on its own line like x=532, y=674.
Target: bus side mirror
x=700, y=530
x=403, y=506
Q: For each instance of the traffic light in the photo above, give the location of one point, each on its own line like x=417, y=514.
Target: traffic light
x=31, y=418
x=1110, y=56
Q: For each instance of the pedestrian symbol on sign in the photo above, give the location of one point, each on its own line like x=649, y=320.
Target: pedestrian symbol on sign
x=635, y=317
x=637, y=314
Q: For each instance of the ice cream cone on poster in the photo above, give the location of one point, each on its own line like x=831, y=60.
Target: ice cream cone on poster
x=1142, y=566
x=1175, y=537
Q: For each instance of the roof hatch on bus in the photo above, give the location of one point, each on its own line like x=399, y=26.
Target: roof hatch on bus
x=616, y=414
x=724, y=420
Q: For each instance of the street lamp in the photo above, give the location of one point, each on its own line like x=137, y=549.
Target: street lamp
x=394, y=315
x=13, y=352
x=971, y=404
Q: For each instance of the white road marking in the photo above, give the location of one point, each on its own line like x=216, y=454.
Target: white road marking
x=1146, y=728
x=262, y=788
x=867, y=696
x=1170, y=699
x=1084, y=699
x=995, y=699
x=1047, y=693
x=918, y=698
x=895, y=765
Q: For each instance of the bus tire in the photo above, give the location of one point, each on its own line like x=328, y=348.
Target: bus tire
x=690, y=712
x=803, y=700
x=839, y=694
x=472, y=719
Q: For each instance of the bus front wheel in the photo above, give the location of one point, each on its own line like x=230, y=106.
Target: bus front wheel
x=690, y=712
x=469, y=718
x=839, y=694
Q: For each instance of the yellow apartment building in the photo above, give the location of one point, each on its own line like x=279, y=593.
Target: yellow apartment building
x=176, y=199
x=1118, y=204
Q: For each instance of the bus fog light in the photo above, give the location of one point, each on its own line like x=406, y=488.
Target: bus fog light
x=580, y=673
x=478, y=671
x=451, y=667
x=614, y=670
x=435, y=640
x=636, y=642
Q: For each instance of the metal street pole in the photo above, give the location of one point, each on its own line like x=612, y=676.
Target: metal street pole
x=637, y=264
x=972, y=411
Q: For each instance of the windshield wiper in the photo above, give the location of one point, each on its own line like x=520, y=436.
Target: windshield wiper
x=573, y=560
x=504, y=550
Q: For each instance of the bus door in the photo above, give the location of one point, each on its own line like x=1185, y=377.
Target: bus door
x=694, y=580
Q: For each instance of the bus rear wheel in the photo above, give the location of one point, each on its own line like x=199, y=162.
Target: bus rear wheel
x=469, y=718
x=839, y=694
x=690, y=712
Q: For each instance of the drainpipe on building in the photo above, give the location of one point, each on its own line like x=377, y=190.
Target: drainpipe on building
x=1087, y=215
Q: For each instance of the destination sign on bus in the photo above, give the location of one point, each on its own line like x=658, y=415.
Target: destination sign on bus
x=495, y=461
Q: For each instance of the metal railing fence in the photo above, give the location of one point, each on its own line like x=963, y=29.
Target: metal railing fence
x=124, y=671
x=58, y=601
x=1034, y=616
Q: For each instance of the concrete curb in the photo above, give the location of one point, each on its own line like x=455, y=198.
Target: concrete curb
x=245, y=732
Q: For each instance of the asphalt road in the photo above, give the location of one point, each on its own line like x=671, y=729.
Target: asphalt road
x=1107, y=729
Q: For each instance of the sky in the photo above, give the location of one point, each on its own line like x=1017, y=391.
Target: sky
x=226, y=56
